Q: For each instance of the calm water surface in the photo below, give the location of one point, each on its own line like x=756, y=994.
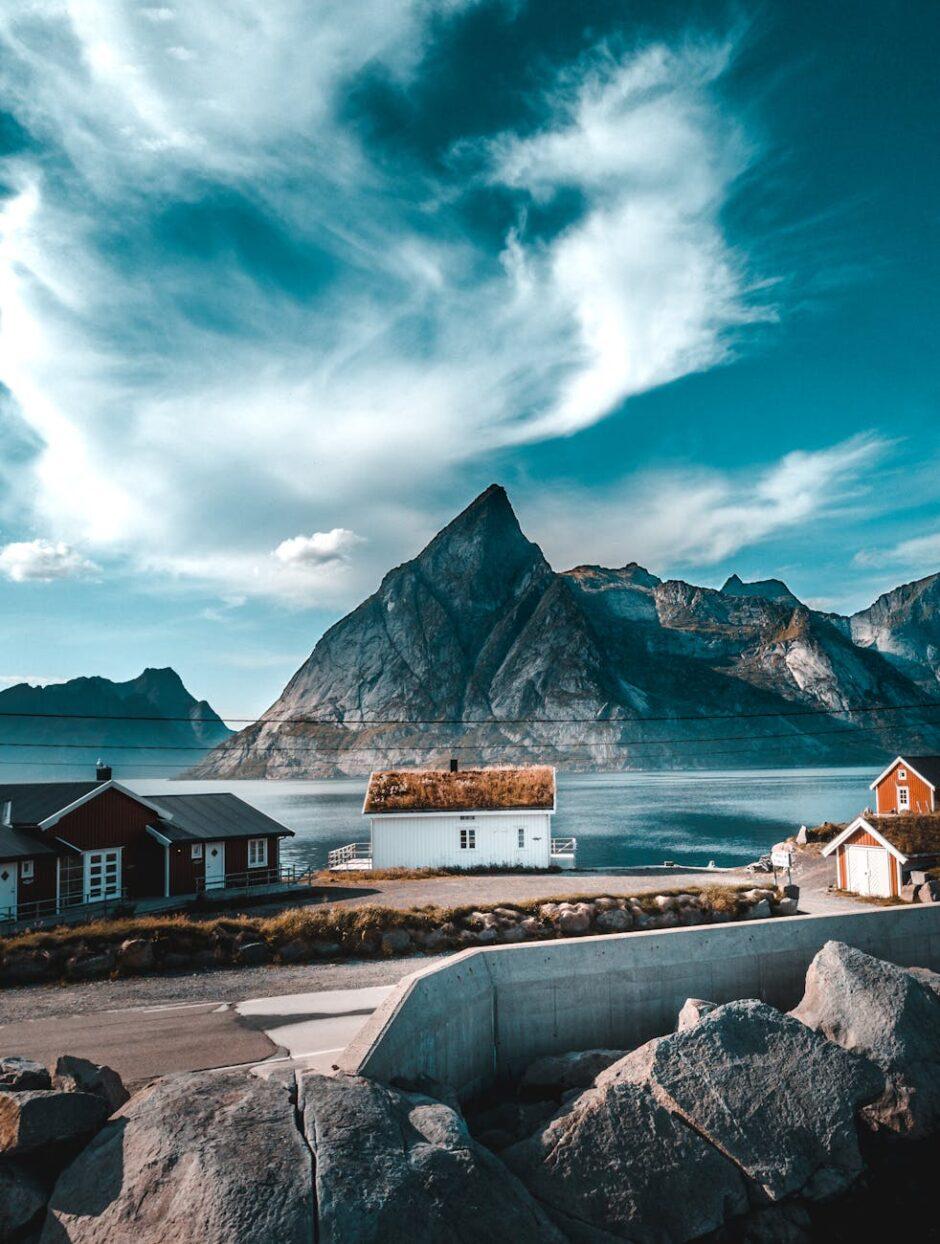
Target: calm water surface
x=619, y=819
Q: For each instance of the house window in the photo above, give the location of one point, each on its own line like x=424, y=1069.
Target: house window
x=902, y=775
x=257, y=852
x=468, y=839
x=27, y=870
x=904, y=798
x=521, y=836
x=196, y=851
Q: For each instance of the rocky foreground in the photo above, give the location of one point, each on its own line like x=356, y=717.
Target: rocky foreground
x=743, y=1124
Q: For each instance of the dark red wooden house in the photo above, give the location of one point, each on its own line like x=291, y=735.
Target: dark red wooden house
x=64, y=844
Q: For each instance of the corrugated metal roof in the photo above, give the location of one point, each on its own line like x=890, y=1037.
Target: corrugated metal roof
x=34, y=801
x=209, y=817
x=15, y=845
x=530, y=788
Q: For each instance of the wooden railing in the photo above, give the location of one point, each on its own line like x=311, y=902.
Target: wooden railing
x=286, y=874
x=343, y=857
x=564, y=846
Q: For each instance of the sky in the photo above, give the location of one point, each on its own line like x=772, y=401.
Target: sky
x=284, y=286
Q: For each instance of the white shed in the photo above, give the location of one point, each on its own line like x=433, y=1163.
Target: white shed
x=468, y=818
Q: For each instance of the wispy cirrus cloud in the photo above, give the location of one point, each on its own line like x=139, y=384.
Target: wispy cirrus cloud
x=919, y=553
x=697, y=518
x=222, y=320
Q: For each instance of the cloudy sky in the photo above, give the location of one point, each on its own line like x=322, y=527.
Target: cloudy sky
x=284, y=285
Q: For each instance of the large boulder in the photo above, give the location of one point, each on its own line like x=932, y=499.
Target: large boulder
x=22, y=1199
x=79, y=1075
x=890, y=1015
x=616, y=1165
x=42, y=1118
x=777, y=1098
x=558, y=1073
x=200, y=1158
x=693, y=1009
x=394, y=1167
x=18, y=1074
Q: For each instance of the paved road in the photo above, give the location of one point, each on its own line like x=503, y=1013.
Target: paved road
x=144, y=1042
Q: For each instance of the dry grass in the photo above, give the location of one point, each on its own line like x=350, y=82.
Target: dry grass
x=424, y=790
x=326, y=877
x=873, y=900
x=824, y=833
x=911, y=834
x=352, y=929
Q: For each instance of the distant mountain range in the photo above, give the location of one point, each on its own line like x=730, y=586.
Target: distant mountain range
x=479, y=649
x=171, y=723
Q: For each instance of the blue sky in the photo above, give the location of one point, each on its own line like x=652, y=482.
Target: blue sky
x=281, y=291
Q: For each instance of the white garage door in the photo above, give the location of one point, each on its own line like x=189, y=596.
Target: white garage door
x=868, y=871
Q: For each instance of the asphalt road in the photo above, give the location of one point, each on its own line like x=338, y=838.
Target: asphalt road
x=307, y=1029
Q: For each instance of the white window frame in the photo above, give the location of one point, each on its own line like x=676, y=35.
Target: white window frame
x=195, y=851
x=904, y=798
x=257, y=848
x=27, y=870
x=468, y=839
x=520, y=837
x=902, y=775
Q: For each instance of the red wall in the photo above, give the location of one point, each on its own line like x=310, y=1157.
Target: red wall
x=186, y=874
x=862, y=838
x=921, y=796
x=113, y=819
x=42, y=886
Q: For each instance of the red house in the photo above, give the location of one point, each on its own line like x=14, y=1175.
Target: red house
x=876, y=853
x=909, y=784
x=63, y=844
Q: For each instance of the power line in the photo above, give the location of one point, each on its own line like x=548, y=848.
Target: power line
x=481, y=721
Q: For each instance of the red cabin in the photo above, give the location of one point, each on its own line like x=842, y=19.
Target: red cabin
x=909, y=784
x=66, y=844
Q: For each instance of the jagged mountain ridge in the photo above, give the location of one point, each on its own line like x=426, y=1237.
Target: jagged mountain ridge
x=478, y=648
x=51, y=717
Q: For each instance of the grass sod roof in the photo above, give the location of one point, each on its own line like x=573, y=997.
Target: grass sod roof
x=529, y=789
x=912, y=835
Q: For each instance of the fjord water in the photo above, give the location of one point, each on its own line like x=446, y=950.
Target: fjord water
x=620, y=819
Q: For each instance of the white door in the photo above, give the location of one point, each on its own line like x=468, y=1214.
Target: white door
x=8, y=875
x=503, y=853
x=867, y=869
x=215, y=865
x=102, y=876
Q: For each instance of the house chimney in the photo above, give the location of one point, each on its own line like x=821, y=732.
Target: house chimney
x=454, y=764
x=6, y=812
x=102, y=772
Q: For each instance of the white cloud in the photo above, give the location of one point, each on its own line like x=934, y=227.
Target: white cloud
x=42, y=561
x=319, y=549
x=920, y=553
x=34, y=680
x=691, y=517
x=189, y=412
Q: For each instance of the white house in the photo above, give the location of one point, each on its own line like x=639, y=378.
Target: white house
x=460, y=818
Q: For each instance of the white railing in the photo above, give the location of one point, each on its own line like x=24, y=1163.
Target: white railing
x=352, y=854
x=564, y=846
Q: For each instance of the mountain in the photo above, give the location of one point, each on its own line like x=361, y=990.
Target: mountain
x=66, y=727
x=477, y=648
x=902, y=626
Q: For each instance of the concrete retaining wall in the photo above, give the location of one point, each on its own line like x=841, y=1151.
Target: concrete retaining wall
x=485, y=1014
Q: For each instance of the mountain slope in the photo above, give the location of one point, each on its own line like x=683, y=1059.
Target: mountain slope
x=67, y=726
x=902, y=626
x=477, y=648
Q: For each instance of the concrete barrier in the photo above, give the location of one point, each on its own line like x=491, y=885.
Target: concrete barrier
x=485, y=1014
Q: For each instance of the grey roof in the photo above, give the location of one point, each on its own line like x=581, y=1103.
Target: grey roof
x=34, y=801
x=927, y=766
x=15, y=845
x=206, y=818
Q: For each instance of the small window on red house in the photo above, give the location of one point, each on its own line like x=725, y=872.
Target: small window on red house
x=902, y=775
x=196, y=851
x=257, y=852
x=27, y=870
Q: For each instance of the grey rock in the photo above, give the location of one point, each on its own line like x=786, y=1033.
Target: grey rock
x=202, y=1158
x=560, y=1072
x=786, y=907
x=135, y=955
x=253, y=954
x=889, y=1015
x=614, y=1161
x=395, y=941
x=79, y=1075
x=89, y=966
x=38, y=1118
x=573, y=921
x=614, y=920
x=776, y=1097
x=760, y=911
x=22, y=1199
x=17, y=1074
x=394, y=1167
x=692, y=1011
x=514, y=933
x=297, y=950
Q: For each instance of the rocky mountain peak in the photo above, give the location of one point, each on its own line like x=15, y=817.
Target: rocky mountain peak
x=767, y=589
